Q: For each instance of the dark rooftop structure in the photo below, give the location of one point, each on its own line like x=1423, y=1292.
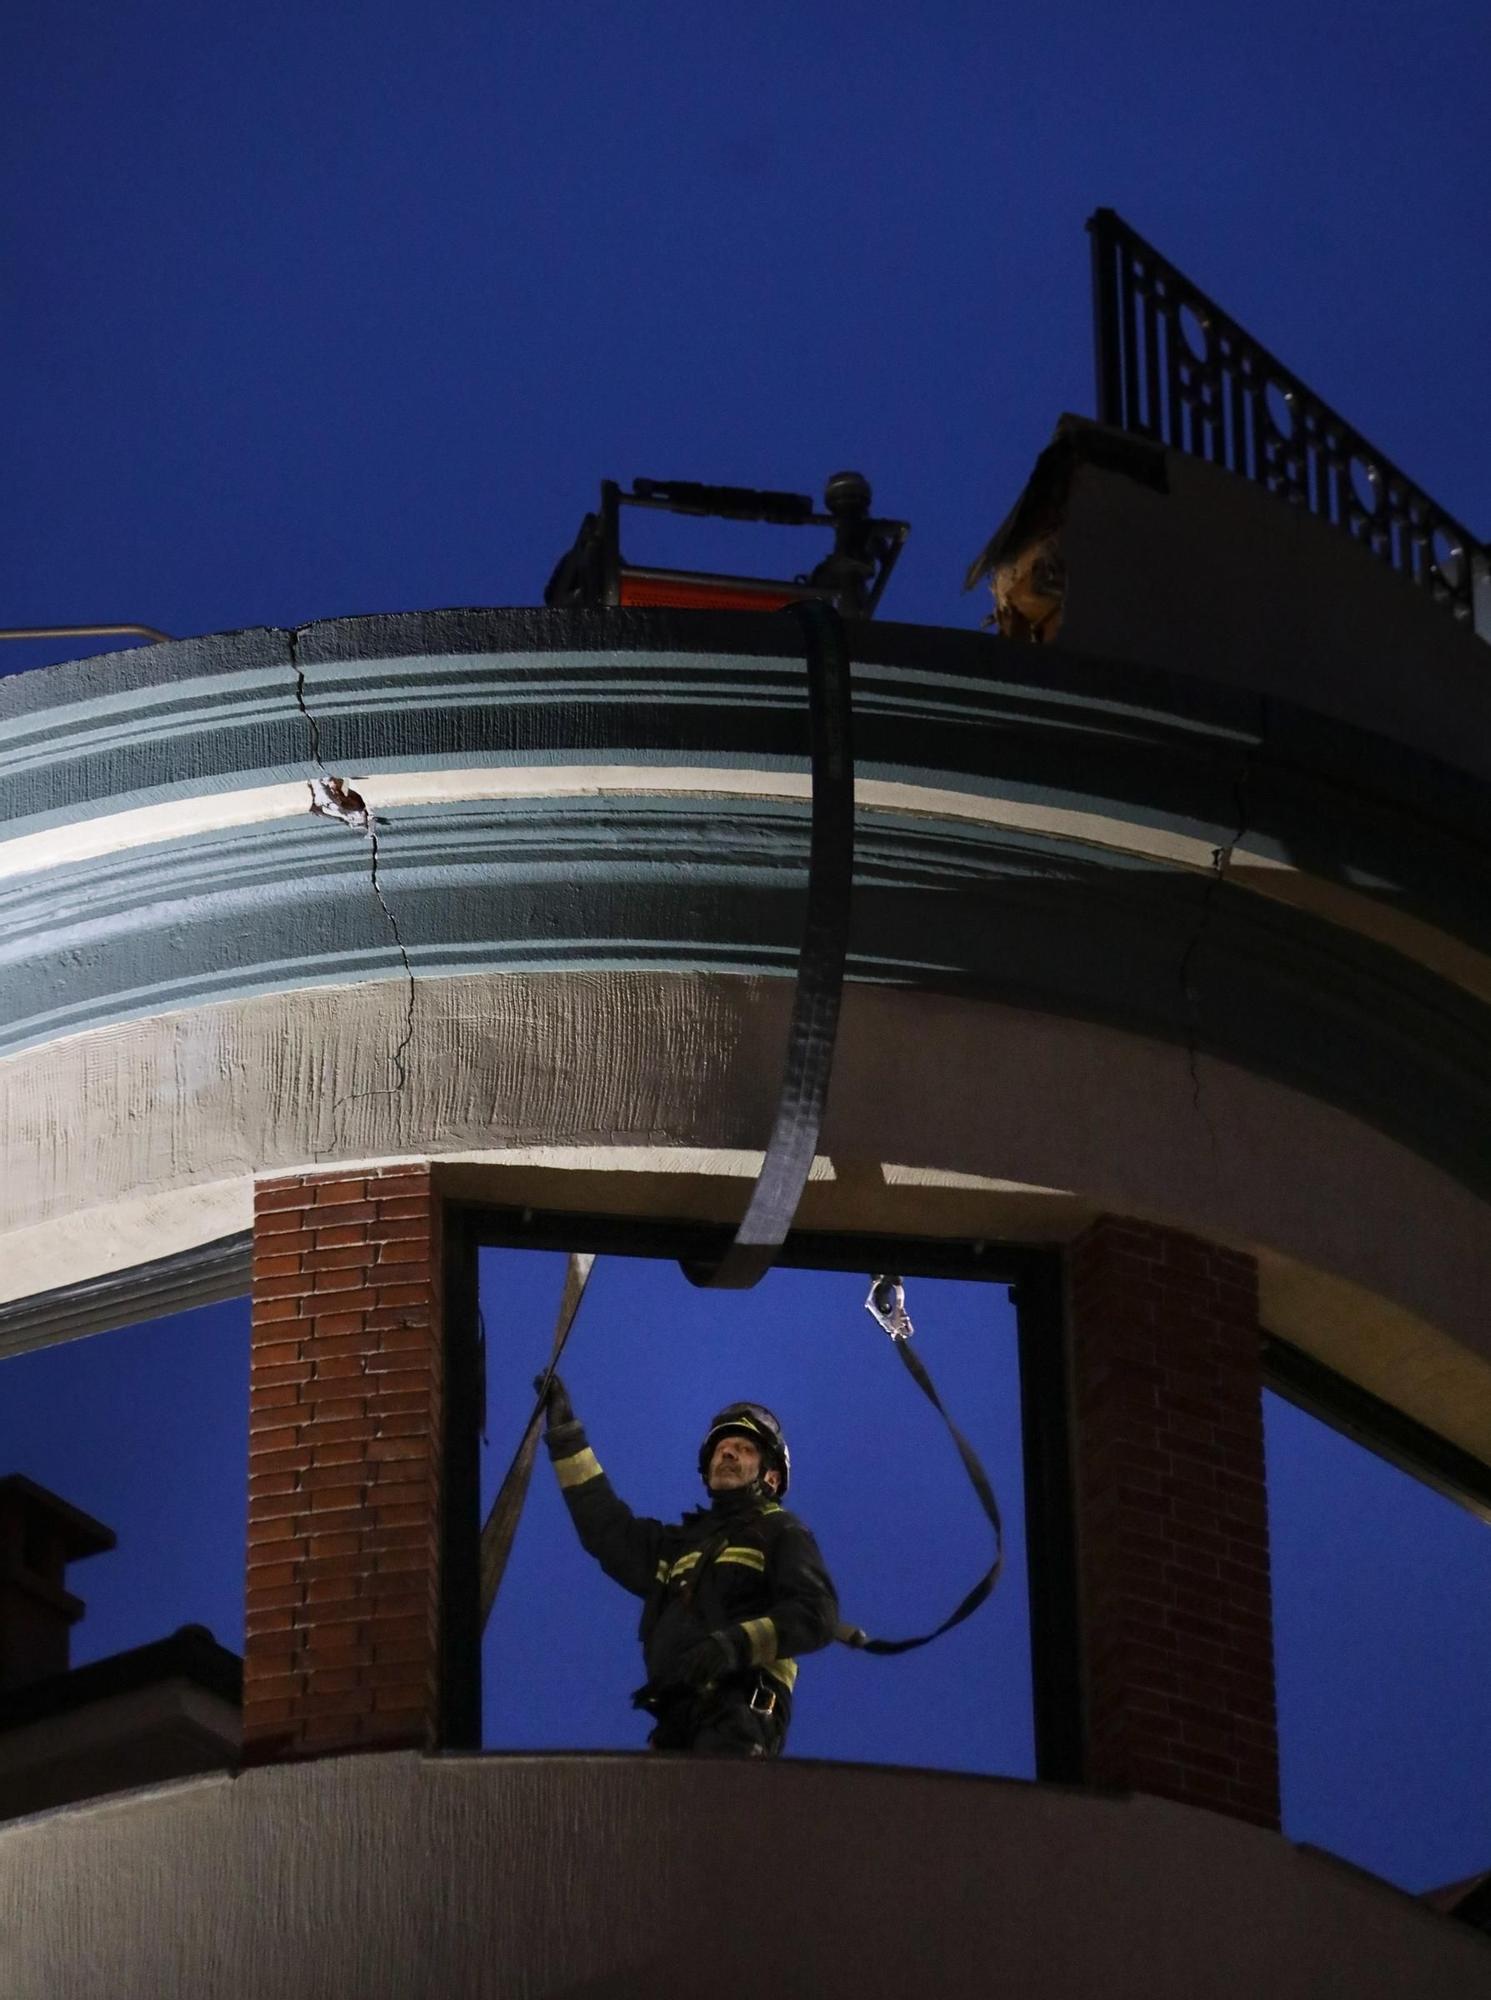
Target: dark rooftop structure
x=169, y=1709
x=40, y=1535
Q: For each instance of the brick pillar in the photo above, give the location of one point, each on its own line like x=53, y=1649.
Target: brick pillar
x=346, y=1377
x=1172, y=1519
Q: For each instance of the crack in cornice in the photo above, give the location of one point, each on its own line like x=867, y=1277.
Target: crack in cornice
x=334, y=798
x=293, y=640
x=1221, y=862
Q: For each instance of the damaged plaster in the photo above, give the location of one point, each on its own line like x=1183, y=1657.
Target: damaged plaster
x=334, y=798
x=1024, y=561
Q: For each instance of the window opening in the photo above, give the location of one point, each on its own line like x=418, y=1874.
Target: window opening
x=146, y=1429
x=1382, y=1628
x=875, y=1476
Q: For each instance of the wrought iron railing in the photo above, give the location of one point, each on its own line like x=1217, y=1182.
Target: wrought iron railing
x=1173, y=366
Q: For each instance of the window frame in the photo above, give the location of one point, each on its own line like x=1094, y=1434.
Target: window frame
x=1035, y=1276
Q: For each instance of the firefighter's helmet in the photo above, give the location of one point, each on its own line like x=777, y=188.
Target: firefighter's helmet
x=756, y=1422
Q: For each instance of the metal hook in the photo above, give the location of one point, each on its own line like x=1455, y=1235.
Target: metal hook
x=886, y=1305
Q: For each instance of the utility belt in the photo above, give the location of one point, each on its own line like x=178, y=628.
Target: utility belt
x=750, y=1687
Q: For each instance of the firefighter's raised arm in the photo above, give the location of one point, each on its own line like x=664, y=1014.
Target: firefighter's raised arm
x=626, y=1545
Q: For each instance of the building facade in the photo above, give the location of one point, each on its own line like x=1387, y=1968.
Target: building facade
x=1168, y=979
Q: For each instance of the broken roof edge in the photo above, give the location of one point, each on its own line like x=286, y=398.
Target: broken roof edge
x=1139, y=554
x=1041, y=505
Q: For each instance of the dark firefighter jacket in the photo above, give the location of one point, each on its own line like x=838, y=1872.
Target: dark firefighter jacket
x=742, y=1567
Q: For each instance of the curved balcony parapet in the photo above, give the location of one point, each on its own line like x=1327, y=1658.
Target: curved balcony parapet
x=383, y=1876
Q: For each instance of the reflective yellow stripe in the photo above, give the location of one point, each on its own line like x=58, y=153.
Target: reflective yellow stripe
x=762, y=1634
x=744, y=1558
x=784, y=1671
x=662, y=1570
x=575, y=1471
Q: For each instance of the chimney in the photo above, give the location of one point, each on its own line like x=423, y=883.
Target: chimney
x=40, y=1534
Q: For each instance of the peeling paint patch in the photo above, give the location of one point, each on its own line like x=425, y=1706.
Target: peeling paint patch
x=334, y=798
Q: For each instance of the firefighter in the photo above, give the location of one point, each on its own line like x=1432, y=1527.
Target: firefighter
x=733, y=1594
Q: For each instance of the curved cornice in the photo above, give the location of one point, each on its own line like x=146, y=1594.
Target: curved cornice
x=505, y=691
x=577, y=791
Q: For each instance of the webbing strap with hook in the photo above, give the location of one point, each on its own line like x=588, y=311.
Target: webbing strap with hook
x=809, y=1059
x=898, y=1326
x=820, y=967
x=501, y=1523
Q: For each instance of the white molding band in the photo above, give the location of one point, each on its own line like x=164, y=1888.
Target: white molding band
x=219, y=810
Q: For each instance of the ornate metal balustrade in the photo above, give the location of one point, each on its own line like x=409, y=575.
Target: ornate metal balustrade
x=1173, y=366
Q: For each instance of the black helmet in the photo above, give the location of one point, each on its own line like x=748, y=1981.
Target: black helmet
x=756, y=1422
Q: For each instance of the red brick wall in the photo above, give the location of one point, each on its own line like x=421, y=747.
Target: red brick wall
x=344, y=1522
x=1172, y=1519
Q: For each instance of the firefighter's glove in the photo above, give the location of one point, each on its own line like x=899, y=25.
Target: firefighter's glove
x=557, y=1406
x=705, y=1663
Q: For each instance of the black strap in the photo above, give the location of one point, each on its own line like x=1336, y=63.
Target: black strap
x=820, y=966
x=851, y=1635
x=708, y=1552
x=501, y=1523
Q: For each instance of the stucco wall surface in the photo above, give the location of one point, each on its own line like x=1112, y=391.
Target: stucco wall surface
x=648, y=1091
x=394, y=1878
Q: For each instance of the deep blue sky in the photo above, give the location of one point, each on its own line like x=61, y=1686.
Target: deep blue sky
x=330, y=308
x=324, y=308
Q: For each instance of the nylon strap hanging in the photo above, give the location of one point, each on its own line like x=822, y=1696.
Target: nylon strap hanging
x=501, y=1523
x=820, y=967
x=852, y=1635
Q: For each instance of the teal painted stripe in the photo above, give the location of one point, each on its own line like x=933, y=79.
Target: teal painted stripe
x=111, y=717
x=1016, y=919
x=1068, y=736
x=1412, y=865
